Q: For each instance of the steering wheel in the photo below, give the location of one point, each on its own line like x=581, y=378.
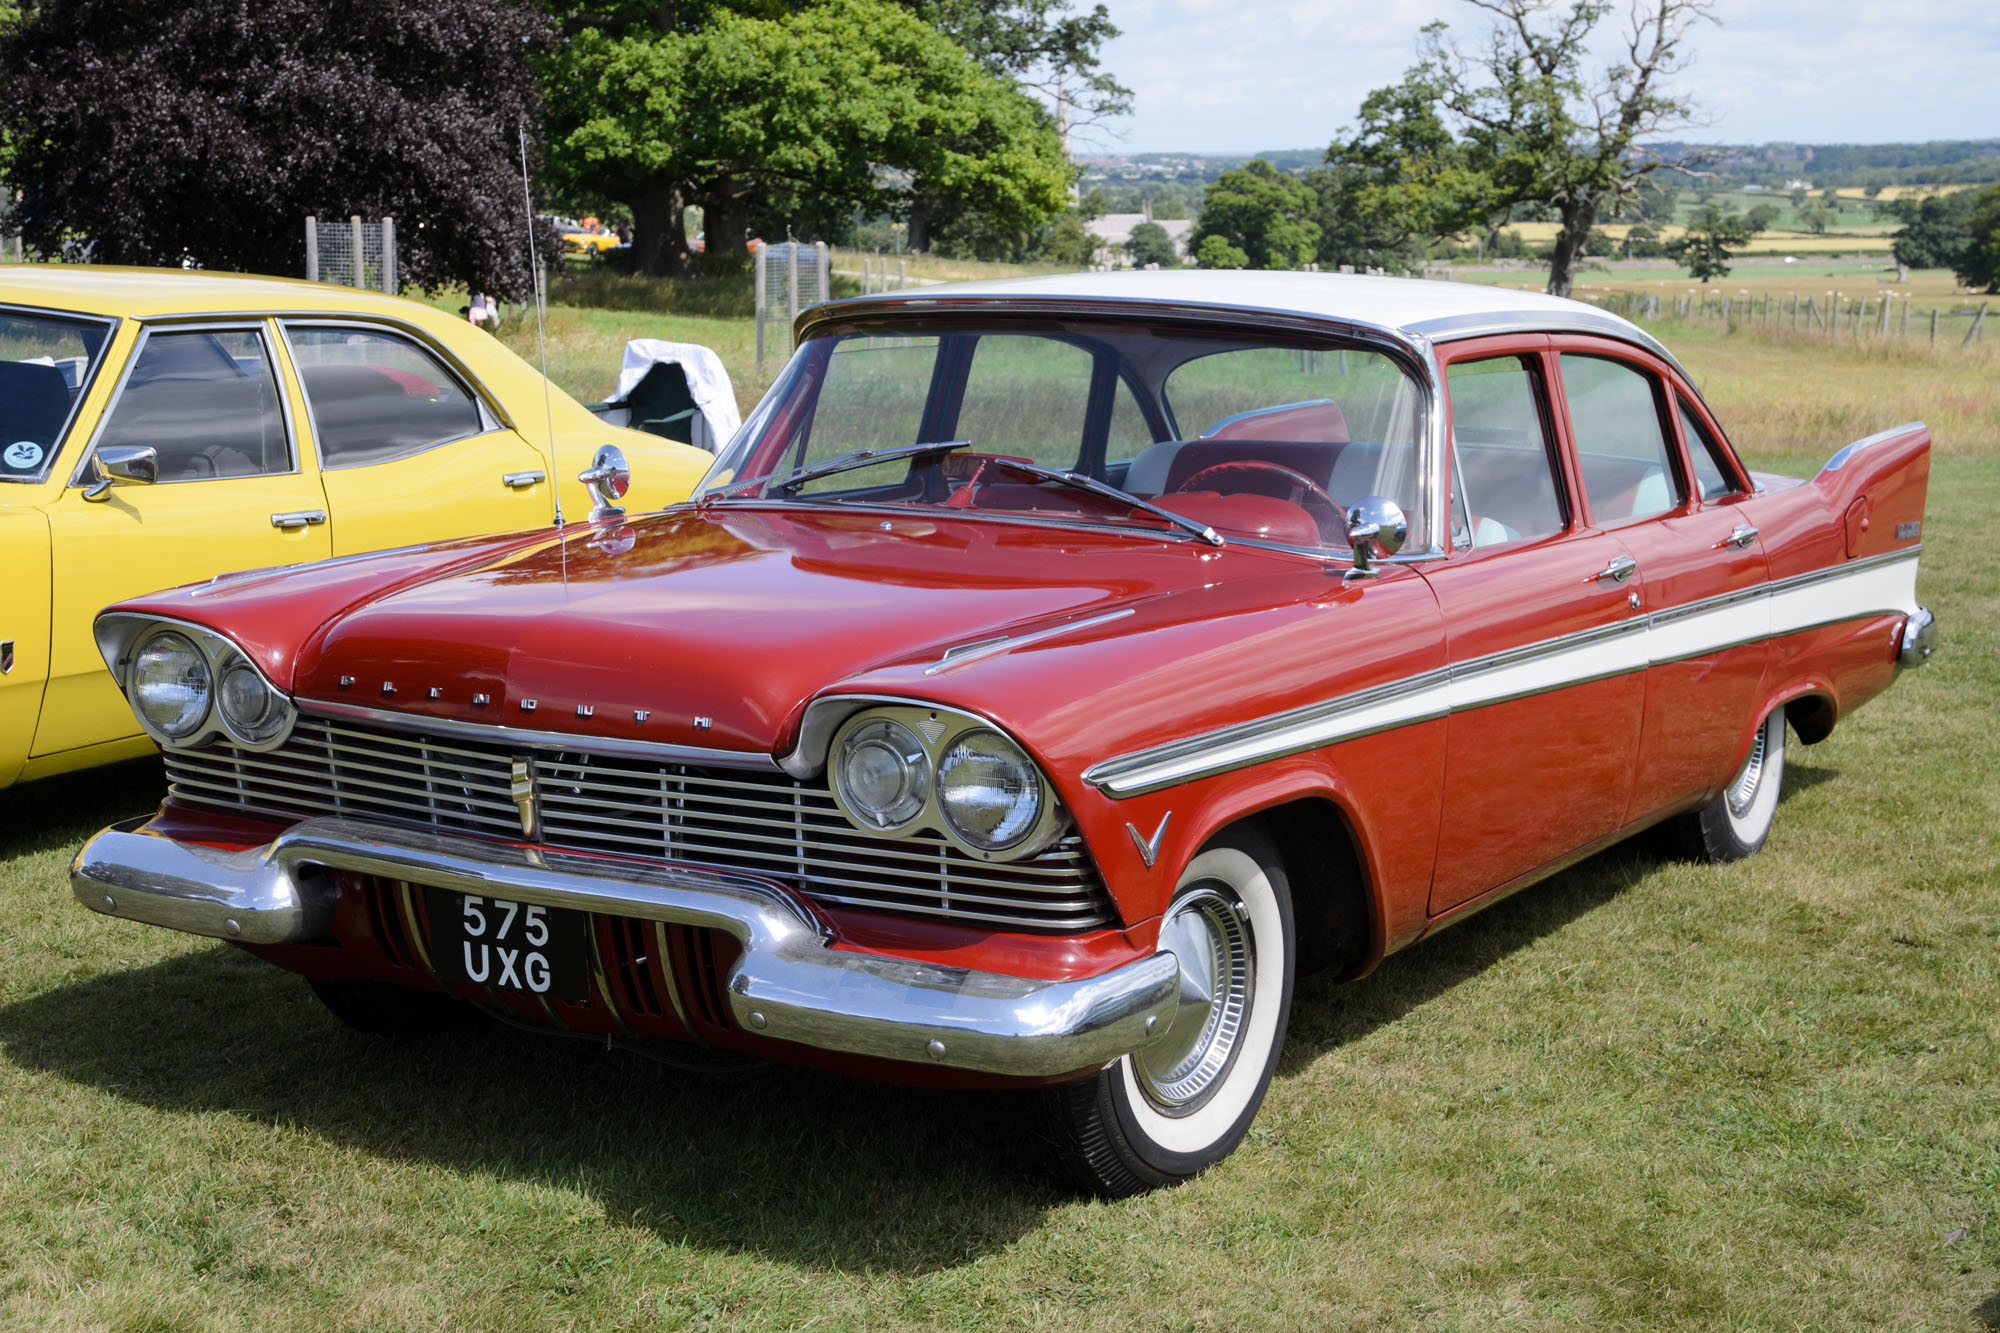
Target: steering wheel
x=1304, y=491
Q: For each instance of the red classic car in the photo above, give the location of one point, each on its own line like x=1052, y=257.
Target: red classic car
x=1045, y=674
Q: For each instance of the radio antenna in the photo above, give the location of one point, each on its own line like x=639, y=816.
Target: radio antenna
x=541, y=334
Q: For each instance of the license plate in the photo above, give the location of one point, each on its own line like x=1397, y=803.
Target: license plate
x=520, y=947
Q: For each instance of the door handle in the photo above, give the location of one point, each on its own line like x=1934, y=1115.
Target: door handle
x=1743, y=535
x=517, y=480
x=298, y=518
x=1621, y=568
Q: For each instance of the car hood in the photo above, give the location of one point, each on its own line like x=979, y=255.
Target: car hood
x=714, y=628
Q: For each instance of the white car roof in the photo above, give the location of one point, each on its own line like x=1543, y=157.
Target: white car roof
x=1413, y=307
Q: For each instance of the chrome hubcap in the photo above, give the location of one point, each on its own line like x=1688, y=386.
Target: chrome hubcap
x=1743, y=792
x=1208, y=934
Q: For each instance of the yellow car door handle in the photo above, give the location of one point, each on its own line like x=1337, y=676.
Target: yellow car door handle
x=298, y=518
x=520, y=479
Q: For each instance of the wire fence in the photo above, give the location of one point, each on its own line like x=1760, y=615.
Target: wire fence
x=1887, y=317
x=352, y=253
x=790, y=276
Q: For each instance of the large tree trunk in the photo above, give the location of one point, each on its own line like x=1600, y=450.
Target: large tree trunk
x=919, y=239
x=658, y=247
x=1577, y=220
x=725, y=213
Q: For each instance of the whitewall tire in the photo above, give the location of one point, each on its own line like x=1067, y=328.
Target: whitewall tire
x=1735, y=824
x=1163, y=1114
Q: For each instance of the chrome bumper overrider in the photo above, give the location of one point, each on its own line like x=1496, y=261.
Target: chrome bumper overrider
x=787, y=984
x=1919, y=638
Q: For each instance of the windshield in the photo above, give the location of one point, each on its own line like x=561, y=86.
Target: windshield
x=1251, y=437
x=46, y=362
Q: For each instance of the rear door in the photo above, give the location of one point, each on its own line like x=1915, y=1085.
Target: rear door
x=1683, y=515
x=411, y=450
x=236, y=490
x=1542, y=639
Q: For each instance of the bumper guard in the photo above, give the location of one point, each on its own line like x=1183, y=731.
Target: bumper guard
x=787, y=984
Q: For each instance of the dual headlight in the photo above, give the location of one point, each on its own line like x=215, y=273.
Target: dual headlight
x=898, y=769
x=186, y=684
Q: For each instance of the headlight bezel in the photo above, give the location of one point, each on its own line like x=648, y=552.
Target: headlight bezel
x=123, y=637
x=938, y=729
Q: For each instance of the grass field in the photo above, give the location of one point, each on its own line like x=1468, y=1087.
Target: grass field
x=1641, y=1095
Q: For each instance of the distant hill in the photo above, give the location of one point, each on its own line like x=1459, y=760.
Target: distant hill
x=1938, y=162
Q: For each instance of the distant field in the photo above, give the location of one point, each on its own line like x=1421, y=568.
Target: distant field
x=1870, y=238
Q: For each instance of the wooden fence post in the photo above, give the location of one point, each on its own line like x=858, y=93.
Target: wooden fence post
x=1906, y=319
x=1934, y=315
x=1978, y=322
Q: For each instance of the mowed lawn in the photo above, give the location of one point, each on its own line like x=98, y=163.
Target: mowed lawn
x=1639, y=1095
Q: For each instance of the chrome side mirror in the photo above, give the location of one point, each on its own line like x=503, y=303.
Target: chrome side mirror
x=608, y=478
x=122, y=465
x=1376, y=529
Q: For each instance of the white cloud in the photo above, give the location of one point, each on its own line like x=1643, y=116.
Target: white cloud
x=1239, y=75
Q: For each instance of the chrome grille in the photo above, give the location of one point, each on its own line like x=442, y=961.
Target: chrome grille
x=763, y=822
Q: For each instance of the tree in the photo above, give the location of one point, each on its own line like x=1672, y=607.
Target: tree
x=1704, y=247
x=217, y=127
x=1935, y=231
x=1523, y=121
x=1816, y=216
x=1262, y=216
x=1040, y=44
x=1150, y=244
x=835, y=108
x=1216, y=252
x=1760, y=217
x=1979, y=265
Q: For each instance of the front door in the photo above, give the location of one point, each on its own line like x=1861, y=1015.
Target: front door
x=1548, y=669
x=233, y=493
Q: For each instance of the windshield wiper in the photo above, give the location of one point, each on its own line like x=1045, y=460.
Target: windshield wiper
x=796, y=477
x=1107, y=491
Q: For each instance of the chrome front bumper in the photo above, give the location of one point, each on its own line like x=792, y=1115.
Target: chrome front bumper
x=787, y=984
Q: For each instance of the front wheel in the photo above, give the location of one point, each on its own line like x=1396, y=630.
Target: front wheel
x=1161, y=1115
x=1735, y=824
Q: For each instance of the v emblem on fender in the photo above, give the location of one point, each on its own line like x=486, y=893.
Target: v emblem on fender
x=1149, y=848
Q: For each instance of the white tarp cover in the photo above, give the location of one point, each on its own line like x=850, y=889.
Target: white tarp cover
x=707, y=381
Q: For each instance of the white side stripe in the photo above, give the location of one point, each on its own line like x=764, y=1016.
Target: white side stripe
x=1880, y=585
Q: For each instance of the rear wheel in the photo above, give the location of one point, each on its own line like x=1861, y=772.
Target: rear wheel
x=383, y=1010
x=1735, y=824
x=1162, y=1114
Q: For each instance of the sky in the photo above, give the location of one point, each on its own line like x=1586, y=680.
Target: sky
x=1236, y=76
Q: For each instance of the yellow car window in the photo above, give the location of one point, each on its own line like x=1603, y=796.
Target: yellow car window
x=206, y=402
x=375, y=396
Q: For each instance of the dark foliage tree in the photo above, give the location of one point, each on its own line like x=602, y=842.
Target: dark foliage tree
x=1706, y=244
x=216, y=127
x=1150, y=244
x=1935, y=231
x=1522, y=120
x=1979, y=264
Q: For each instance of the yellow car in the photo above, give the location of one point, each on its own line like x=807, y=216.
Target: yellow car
x=589, y=242
x=159, y=427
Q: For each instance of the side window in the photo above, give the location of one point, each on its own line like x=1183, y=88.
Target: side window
x=1706, y=455
x=1615, y=418
x=1027, y=398
x=377, y=396
x=206, y=402
x=1504, y=488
